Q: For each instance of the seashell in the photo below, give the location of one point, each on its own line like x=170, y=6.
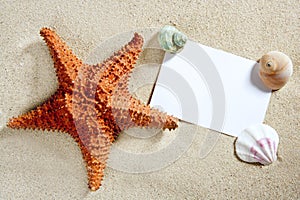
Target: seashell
x=275, y=69
x=257, y=143
x=171, y=39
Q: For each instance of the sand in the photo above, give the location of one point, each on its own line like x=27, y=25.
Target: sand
x=48, y=165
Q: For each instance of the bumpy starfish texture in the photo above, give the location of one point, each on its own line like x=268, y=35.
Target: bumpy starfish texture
x=92, y=103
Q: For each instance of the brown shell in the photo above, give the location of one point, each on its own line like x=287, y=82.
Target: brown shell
x=92, y=103
x=275, y=69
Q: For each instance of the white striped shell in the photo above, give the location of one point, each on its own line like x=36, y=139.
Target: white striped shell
x=171, y=39
x=275, y=69
x=257, y=144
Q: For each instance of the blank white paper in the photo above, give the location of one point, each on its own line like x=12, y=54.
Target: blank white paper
x=211, y=88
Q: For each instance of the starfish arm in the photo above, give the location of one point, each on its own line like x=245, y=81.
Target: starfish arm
x=144, y=116
x=124, y=60
x=65, y=61
x=94, y=141
x=95, y=155
x=130, y=112
x=51, y=115
x=121, y=63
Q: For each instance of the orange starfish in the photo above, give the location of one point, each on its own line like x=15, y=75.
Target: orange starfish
x=92, y=103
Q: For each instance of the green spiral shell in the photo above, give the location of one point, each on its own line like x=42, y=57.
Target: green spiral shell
x=171, y=39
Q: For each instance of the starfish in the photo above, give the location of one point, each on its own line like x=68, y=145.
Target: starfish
x=92, y=103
